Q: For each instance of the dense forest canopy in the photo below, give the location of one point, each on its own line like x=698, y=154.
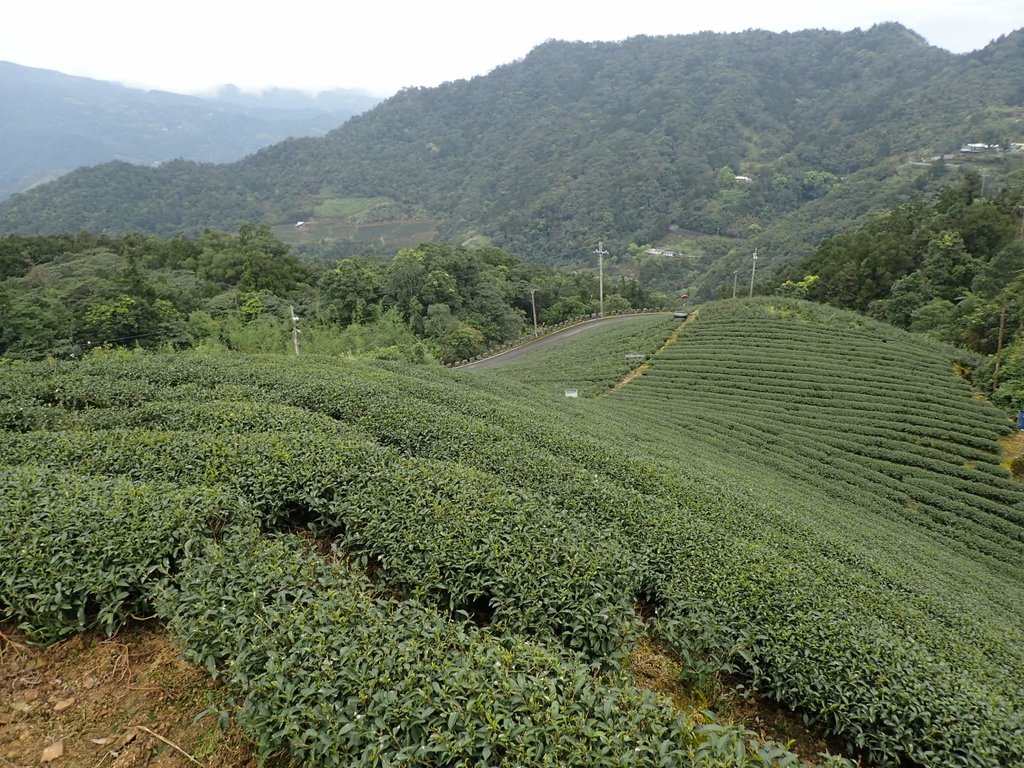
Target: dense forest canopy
x=63, y=295
x=778, y=139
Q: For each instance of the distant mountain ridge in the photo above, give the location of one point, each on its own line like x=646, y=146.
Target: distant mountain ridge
x=52, y=123
x=788, y=137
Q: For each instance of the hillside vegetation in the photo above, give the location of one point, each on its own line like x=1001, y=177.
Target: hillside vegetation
x=62, y=295
x=581, y=141
x=389, y=563
x=951, y=266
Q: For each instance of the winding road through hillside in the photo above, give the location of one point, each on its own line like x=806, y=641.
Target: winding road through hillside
x=554, y=338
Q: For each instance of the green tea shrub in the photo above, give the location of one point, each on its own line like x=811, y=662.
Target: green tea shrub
x=329, y=676
x=80, y=552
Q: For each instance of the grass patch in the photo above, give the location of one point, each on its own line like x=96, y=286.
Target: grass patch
x=349, y=207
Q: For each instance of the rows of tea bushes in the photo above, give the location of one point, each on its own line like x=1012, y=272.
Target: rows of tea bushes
x=871, y=579
x=537, y=522
x=878, y=450
x=369, y=651
x=823, y=409
x=331, y=676
x=704, y=549
x=432, y=529
x=79, y=552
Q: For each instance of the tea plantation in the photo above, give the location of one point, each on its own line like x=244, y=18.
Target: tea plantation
x=391, y=564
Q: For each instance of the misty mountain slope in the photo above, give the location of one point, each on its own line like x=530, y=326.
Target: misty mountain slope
x=52, y=123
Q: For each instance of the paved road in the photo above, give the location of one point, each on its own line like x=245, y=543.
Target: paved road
x=555, y=338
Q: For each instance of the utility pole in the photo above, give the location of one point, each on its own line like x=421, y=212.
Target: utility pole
x=601, y=253
x=735, y=280
x=999, y=347
x=753, y=269
x=295, y=330
x=533, y=303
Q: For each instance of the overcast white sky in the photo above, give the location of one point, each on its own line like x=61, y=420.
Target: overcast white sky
x=383, y=46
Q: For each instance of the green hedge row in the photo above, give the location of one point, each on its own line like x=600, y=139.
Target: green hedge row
x=329, y=676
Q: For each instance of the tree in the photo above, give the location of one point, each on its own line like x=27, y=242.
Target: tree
x=947, y=265
x=440, y=288
x=461, y=343
x=564, y=309
x=937, y=319
x=405, y=277
x=254, y=260
x=33, y=324
x=352, y=291
x=616, y=303
x=252, y=307
x=798, y=290
x=126, y=321
x=634, y=293
x=1000, y=271
x=976, y=322
x=816, y=183
x=1010, y=391
x=439, y=321
x=908, y=294
x=269, y=264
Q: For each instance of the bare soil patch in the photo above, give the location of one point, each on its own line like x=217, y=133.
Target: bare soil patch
x=124, y=702
x=1013, y=450
x=131, y=701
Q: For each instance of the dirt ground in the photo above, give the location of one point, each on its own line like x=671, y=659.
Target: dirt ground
x=1012, y=448
x=124, y=702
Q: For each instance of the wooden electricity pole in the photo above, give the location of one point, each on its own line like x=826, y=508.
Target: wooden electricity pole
x=533, y=303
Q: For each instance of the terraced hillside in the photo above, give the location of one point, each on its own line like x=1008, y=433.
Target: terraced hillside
x=872, y=490
x=876, y=418
x=391, y=564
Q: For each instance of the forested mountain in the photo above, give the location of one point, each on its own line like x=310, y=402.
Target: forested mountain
x=52, y=123
x=776, y=139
